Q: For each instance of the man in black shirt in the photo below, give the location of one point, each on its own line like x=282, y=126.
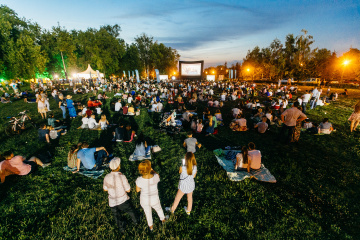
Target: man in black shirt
x=43, y=134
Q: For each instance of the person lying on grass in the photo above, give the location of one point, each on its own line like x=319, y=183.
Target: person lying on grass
x=149, y=196
x=18, y=165
x=87, y=157
x=187, y=172
x=117, y=186
x=191, y=143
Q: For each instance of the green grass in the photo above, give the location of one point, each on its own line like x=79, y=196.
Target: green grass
x=315, y=197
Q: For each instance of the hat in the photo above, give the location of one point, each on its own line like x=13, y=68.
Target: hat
x=114, y=163
x=68, y=96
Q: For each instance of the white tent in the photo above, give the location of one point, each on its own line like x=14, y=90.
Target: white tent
x=89, y=73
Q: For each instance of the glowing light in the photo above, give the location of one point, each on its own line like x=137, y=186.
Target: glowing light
x=213, y=72
x=174, y=73
x=301, y=64
x=248, y=69
x=1, y=80
x=206, y=72
x=346, y=62
x=56, y=76
x=74, y=75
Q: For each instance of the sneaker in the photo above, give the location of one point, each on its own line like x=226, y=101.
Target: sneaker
x=187, y=212
x=118, y=140
x=168, y=209
x=45, y=165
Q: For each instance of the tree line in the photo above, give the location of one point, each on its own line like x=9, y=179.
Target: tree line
x=28, y=51
x=295, y=59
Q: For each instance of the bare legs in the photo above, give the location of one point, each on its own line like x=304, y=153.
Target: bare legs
x=353, y=125
x=178, y=197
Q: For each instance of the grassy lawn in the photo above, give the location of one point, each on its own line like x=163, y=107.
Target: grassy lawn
x=316, y=195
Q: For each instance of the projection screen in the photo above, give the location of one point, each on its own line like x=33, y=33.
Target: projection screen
x=191, y=69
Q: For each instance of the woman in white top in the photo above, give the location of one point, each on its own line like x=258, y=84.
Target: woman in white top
x=254, y=158
x=187, y=172
x=85, y=121
x=117, y=185
x=103, y=122
x=41, y=106
x=149, y=196
x=242, y=160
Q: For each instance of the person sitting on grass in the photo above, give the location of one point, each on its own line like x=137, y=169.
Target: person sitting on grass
x=262, y=126
x=242, y=160
x=85, y=122
x=118, y=105
x=187, y=171
x=191, y=143
x=254, y=157
x=219, y=117
x=86, y=156
x=149, y=196
x=325, y=127
x=103, y=123
x=118, y=187
x=18, y=165
x=131, y=110
x=238, y=124
x=92, y=124
x=72, y=155
x=43, y=133
x=56, y=133
x=142, y=148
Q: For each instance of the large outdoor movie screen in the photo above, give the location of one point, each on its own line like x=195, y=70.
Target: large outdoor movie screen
x=191, y=69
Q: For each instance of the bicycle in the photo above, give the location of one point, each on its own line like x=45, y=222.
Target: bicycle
x=16, y=125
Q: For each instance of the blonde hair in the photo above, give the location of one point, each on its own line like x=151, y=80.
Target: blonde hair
x=145, y=168
x=190, y=161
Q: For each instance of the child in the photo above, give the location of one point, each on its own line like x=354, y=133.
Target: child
x=92, y=122
x=85, y=121
x=103, y=122
x=187, y=172
x=191, y=143
x=117, y=185
x=199, y=126
x=149, y=196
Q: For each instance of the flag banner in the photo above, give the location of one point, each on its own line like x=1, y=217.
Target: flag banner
x=235, y=74
x=232, y=73
x=137, y=75
x=133, y=74
x=157, y=75
x=124, y=74
x=129, y=74
x=229, y=74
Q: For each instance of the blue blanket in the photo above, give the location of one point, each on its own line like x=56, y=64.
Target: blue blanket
x=262, y=174
x=85, y=172
x=133, y=157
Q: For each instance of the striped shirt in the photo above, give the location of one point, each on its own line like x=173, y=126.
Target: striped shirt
x=187, y=183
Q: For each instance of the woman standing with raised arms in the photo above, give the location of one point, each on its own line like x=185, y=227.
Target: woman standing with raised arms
x=187, y=172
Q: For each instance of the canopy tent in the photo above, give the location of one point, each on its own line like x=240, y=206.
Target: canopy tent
x=90, y=73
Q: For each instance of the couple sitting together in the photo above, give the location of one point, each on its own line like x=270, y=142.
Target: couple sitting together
x=248, y=159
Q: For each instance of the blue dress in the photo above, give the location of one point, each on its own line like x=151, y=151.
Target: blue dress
x=71, y=108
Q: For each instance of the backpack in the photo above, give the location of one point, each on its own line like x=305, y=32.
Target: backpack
x=230, y=155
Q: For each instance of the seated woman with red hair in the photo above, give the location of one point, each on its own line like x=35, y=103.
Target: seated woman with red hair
x=95, y=103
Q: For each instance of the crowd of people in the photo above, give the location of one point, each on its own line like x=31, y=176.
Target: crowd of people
x=254, y=108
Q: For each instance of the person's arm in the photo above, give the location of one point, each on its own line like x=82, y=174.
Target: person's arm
x=77, y=166
x=138, y=189
x=101, y=148
x=47, y=138
x=249, y=164
x=184, y=144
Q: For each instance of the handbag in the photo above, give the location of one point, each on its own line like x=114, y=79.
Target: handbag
x=156, y=148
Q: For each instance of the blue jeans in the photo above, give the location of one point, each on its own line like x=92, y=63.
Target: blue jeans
x=304, y=106
x=99, y=159
x=63, y=108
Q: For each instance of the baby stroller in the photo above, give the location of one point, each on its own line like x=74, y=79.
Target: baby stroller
x=169, y=124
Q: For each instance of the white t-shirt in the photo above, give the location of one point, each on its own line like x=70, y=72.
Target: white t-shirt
x=116, y=184
x=85, y=120
x=148, y=186
x=117, y=106
x=92, y=123
x=306, y=97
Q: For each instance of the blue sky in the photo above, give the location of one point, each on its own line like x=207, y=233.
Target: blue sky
x=214, y=31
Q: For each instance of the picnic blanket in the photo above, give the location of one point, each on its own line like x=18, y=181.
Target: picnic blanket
x=262, y=174
x=85, y=172
x=133, y=157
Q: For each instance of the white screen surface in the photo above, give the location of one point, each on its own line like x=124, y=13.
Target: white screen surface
x=210, y=77
x=191, y=69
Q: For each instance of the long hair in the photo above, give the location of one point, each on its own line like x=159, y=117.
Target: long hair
x=357, y=107
x=190, y=161
x=244, y=151
x=145, y=168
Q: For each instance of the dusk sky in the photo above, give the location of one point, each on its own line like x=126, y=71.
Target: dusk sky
x=213, y=31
